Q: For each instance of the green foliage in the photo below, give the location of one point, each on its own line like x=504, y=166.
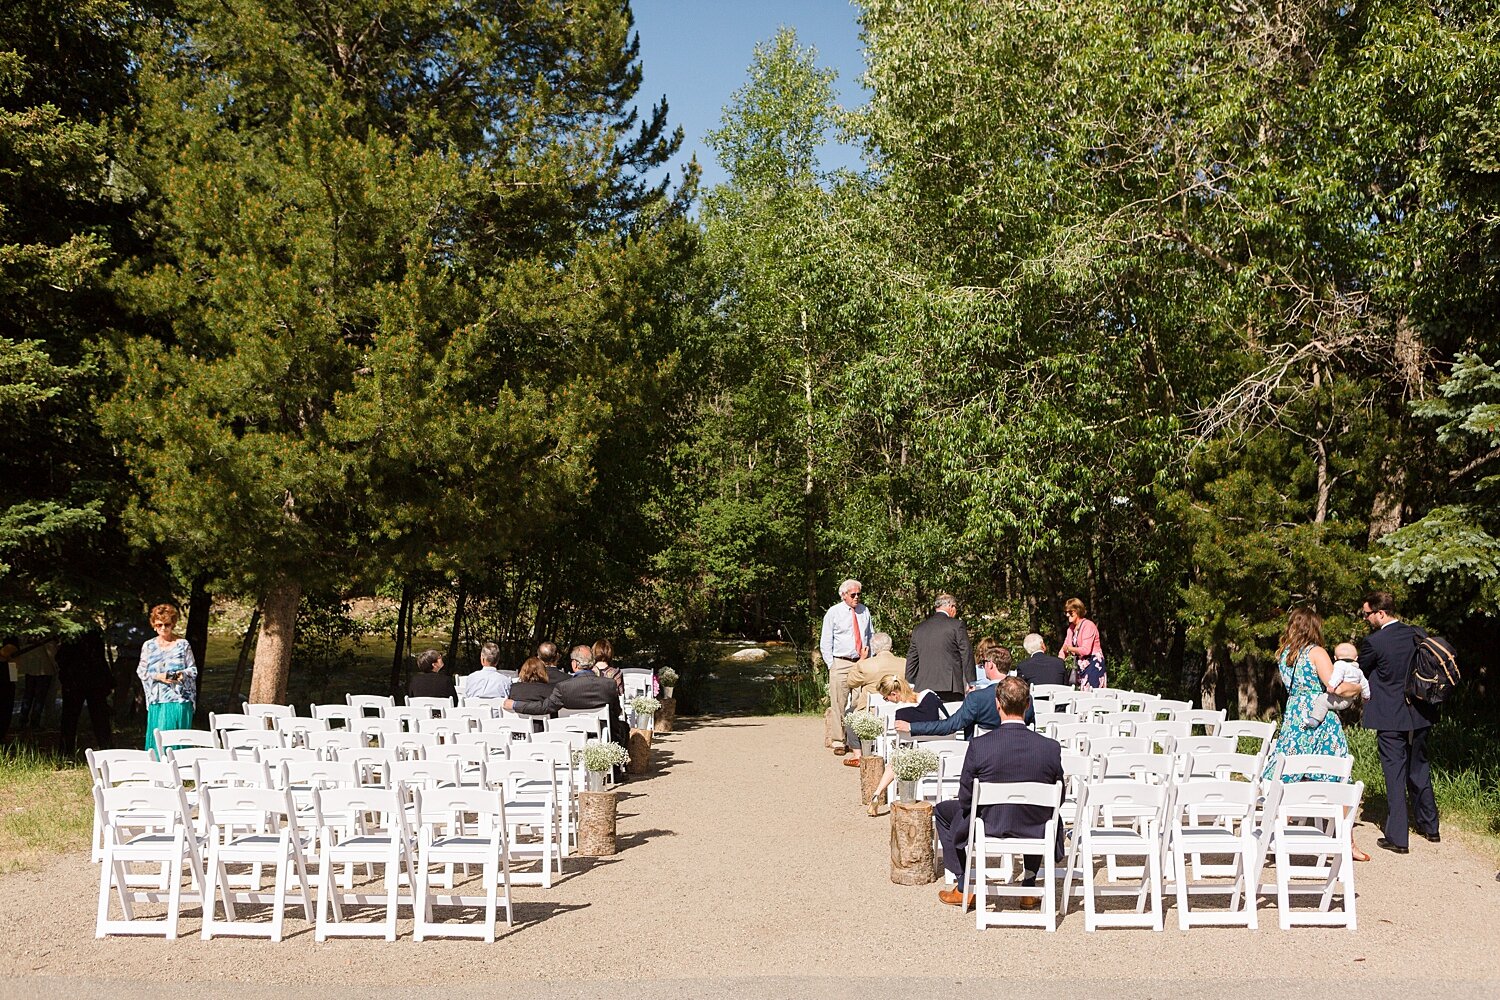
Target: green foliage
x=326, y=651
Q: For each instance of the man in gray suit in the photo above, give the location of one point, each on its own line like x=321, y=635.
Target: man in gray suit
x=940, y=658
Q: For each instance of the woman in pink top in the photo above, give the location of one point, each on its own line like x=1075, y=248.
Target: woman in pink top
x=1083, y=642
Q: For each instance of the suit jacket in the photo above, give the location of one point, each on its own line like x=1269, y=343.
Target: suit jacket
x=431, y=685
x=1010, y=753
x=864, y=675
x=978, y=709
x=940, y=657
x=582, y=690
x=1385, y=657
x=556, y=674
x=1043, y=668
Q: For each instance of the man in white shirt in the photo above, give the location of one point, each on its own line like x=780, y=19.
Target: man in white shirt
x=847, y=633
x=487, y=681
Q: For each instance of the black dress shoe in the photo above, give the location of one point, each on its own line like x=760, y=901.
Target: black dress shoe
x=1386, y=845
x=1436, y=838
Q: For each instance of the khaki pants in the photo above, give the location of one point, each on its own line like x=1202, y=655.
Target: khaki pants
x=838, y=699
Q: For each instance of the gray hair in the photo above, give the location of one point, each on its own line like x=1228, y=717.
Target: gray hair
x=1033, y=643
x=945, y=601
x=489, y=654
x=880, y=642
x=583, y=656
x=849, y=585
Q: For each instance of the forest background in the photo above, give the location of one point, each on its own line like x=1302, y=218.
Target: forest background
x=1185, y=310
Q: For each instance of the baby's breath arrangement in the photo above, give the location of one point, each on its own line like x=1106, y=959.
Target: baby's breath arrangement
x=913, y=763
x=865, y=725
x=667, y=676
x=644, y=704
x=597, y=756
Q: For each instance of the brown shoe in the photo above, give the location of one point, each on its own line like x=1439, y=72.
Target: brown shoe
x=1031, y=902
x=952, y=897
x=851, y=761
x=839, y=751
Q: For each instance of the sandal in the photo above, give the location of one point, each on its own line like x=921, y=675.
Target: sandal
x=1359, y=855
x=875, y=806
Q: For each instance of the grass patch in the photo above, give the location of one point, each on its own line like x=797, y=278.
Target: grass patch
x=45, y=808
x=1465, y=776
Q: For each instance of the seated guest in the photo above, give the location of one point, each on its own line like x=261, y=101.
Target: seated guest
x=866, y=674
x=533, y=684
x=1040, y=667
x=927, y=708
x=1011, y=753
x=487, y=681
x=604, y=652
x=429, y=681
x=548, y=654
x=978, y=708
x=582, y=690
x=981, y=649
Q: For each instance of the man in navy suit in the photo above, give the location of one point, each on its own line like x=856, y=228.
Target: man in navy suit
x=1011, y=753
x=978, y=708
x=1401, y=726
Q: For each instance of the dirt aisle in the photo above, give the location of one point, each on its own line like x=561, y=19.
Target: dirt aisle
x=748, y=868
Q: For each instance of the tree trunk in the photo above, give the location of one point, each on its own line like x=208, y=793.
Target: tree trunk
x=912, y=859
x=246, y=644
x=1390, y=498
x=451, y=661
x=273, y=649
x=1248, y=686
x=200, y=603
x=809, y=543
x=398, y=656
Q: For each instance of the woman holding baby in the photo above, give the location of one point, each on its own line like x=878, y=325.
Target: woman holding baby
x=1312, y=684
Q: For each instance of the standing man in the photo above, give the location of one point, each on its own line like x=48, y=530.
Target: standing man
x=83, y=673
x=940, y=658
x=846, y=639
x=1401, y=726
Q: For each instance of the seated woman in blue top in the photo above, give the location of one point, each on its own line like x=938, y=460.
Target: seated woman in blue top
x=927, y=708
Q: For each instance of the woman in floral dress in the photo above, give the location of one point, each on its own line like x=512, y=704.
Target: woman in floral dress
x=1305, y=671
x=169, y=676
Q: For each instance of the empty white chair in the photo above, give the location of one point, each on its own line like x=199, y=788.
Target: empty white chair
x=1215, y=817
x=1262, y=733
x=412, y=746
x=331, y=742
x=186, y=760
x=599, y=715
x=1133, y=701
x=413, y=774
x=1211, y=720
x=472, y=760
x=336, y=716
x=445, y=837
x=168, y=739
x=1089, y=706
x=251, y=739
x=1163, y=734
x=1225, y=766
x=476, y=712
x=531, y=803
x=373, y=763
x=1073, y=735
x=221, y=722
x=516, y=728
x=1303, y=765
x=1052, y=692
x=1103, y=746
x=274, y=757
x=1123, y=723
x=1149, y=768
x=432, y=708
x=144, y=824
x=369, y=704
x=1168, y=708
x=636, y=683
x=1196, y=745
x=982, y=847
x=294, y=729
x=573, y=738
x=300, y=777
x=445, y=728
x=272, y=838
x=1078, y=770
x=943, y=783
x=406, y=716
x=1119, y=819
x=1315, y=819
x=268, y=713
x=244, y=772
x=347, y=835
x=126, y=767
x=379, y=731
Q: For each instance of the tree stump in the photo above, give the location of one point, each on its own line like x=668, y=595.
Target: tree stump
x=871, y=768
x=640, y=752
x=596, y=823
x=912, y=861
x=666, y=714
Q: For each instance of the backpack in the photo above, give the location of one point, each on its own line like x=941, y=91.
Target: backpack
x=1434, y=671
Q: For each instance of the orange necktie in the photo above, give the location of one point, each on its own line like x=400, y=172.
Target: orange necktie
x=859, y=641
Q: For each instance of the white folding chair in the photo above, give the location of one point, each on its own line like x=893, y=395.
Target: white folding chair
x=1123, y=723
x=268, y=713
x=126, y=767
x=1315, y=819
x=636, y=684
x=1073, y=735
x=251, y=739
x=1147, y=768
x=1218, y=818
x=169, y=739
x=1119, y=819
x=1133, y=701
x=144, y=824
x=444, y=728
x=600, y=715
x=1211, y=720
x=476, y=712
x=572, y=738
x=407, y=716
x=274, y=757
x=432, y=708
x=412, y=746
x=1103, y=746
x=360, y=826
x=1195, y=746
x=336, y=716
x=1168, y=708
x=1164, y=734
x=1225, y=766
x=982, y=847
x=378, y=732
x=295, y=730
x=472, y=759
x=1078, y=769
x=531, y=803
x=220, y=723
x=373, y=764
x=413, y=774
x=369, y=704
x=272, y=838
x=1052, y=692
x=331, y=742
x=520, y=729
x=445, y=836
x=1305, y=765
x=943, y=783
x=1263, y=733
x=1088, y=707
x=567, y=779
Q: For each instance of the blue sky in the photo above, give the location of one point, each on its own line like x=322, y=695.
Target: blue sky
x=695, y=52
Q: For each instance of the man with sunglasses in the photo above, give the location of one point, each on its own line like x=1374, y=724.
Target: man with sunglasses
x=1401, y=725
x=847, y=633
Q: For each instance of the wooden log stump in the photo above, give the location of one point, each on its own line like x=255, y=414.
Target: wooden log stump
x=666, y=715
x=871, y=768
x=640, y=752
x=912, y=861
x=596, y=823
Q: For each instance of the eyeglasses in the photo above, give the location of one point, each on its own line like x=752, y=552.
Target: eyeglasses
x=854, y=593
x=1366, y=614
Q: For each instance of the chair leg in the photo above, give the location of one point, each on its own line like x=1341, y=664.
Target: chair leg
x=1283, y=897
x=1153, y=870
x=1182, y=891
x=326, y=883
x=421, y=910
x=283, y=872
x=491, y=897
x=1090, y=916
x=106, y=871
x=211, y=892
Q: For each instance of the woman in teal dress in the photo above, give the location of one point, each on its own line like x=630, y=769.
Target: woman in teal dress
x=1305, y=671
x=169, y=676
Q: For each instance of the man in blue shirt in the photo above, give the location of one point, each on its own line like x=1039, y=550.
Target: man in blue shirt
x=487, y=681
x=978, y=708
x=847, y=633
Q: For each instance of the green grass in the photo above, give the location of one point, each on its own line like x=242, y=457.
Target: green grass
x=45, y=808
x=1465, y=776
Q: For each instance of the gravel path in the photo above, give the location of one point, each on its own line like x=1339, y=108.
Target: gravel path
x=747, y=867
